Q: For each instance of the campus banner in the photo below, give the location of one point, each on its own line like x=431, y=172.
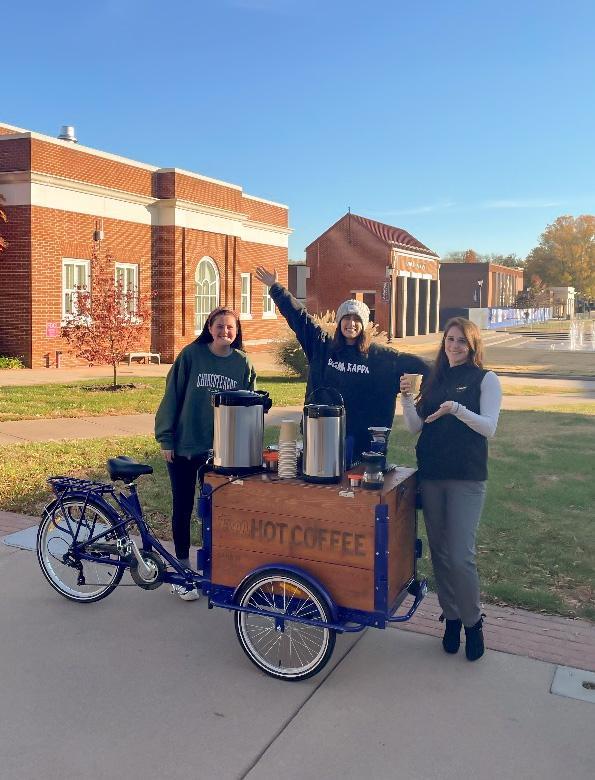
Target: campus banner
x=506, y=318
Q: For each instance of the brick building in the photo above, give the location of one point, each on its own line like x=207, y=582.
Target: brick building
x=190, y=240
x=479, y=285
x=384, y=266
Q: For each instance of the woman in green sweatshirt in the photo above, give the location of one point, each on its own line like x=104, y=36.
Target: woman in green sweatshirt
x=184, y=420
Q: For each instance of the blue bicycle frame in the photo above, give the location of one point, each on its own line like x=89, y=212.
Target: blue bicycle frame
x=132, y=514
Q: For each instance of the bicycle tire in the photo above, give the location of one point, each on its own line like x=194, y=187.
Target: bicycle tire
x=54, y=540
x=300, y=650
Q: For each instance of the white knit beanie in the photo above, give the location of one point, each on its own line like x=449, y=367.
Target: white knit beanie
x=358, y=308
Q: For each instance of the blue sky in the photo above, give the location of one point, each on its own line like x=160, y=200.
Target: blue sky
x=469, y=123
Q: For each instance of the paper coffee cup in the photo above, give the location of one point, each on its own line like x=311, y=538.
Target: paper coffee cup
x=415, y=380
x=288, y=430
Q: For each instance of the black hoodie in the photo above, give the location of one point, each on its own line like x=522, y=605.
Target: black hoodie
x=368, y=383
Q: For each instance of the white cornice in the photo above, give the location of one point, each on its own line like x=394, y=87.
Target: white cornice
x=54, y=192
x=200, y=208
x=49, y=179
x=267, y=226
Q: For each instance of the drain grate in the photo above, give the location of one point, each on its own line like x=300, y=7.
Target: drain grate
x=574, y=684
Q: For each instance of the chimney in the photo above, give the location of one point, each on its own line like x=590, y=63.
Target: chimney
x=67, y=134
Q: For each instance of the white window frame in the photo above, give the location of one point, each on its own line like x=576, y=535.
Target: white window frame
x=269, y=311
x=208, y=289
x=72, y=291
x=125, y=267
x=246, y=297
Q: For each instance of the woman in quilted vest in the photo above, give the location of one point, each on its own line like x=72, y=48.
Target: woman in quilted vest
x=456, y=413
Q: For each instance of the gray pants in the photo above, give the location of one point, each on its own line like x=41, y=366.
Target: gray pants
x=452, y=508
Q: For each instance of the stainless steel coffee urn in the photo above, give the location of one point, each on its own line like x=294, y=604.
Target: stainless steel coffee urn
x=324, y=440
x=238, y=430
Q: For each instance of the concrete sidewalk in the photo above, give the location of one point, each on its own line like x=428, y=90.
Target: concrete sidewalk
x=142, y=684
x=511, y=630
x=264, y=363
x=71, y=428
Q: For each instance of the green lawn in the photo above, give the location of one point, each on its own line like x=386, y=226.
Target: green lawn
x=86, y=399
x=83, y=399
x=536, y=542
x=537, y=538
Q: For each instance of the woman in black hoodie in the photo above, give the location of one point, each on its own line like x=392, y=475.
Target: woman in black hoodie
x=367, y=375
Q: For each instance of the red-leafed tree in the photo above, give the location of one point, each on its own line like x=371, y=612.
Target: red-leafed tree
x=3, y=218
x=108, y=321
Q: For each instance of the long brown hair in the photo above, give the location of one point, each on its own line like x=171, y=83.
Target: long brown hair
x=362, y=342
x=441, y=365
x=205, y=336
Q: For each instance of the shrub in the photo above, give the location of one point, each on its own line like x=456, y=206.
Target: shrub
x=10, y=362
x=291, y=356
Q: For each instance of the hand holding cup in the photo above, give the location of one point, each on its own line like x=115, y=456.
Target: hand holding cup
x=409, y=384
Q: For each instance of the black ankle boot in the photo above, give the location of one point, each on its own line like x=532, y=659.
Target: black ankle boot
x=451, y=641
x=474, y=647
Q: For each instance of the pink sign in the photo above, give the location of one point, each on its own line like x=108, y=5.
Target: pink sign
x=52, y=330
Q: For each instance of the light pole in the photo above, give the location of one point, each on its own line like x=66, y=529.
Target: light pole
x=480, y=285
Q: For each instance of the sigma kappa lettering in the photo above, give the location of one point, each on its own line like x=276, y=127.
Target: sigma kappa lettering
x=350, y=368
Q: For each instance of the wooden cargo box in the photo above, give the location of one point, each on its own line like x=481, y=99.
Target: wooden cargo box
x=262, y=520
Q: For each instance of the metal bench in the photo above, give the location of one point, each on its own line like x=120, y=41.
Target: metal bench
x=147, y=357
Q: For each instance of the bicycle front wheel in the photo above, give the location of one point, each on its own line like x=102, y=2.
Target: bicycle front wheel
x=291, y=650
x=75, y=579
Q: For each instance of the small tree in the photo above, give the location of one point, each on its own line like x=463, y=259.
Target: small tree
x=109, y=322
x=538, y=294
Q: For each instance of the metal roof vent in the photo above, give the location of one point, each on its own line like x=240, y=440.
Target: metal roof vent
x=67, y=134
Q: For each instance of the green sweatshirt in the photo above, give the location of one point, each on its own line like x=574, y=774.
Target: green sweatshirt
x=184, y=420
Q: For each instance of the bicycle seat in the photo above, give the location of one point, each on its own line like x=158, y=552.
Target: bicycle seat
x=127, y=469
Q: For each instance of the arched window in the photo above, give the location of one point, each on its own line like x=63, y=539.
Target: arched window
x=206, y=296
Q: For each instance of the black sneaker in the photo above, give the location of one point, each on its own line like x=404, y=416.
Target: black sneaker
x=451, y=641
x=474, y=646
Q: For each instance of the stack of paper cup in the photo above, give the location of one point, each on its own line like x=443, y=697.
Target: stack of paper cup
x=288, y=450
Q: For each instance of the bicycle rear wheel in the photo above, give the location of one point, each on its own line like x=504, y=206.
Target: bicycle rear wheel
x=75, y=579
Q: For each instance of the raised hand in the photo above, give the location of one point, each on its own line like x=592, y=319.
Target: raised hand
x=266, y=277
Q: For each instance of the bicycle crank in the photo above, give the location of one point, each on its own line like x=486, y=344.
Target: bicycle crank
x=149, y=574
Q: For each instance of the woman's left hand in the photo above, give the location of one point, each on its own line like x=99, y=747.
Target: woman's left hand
x=267, y=277
x=445, y=408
